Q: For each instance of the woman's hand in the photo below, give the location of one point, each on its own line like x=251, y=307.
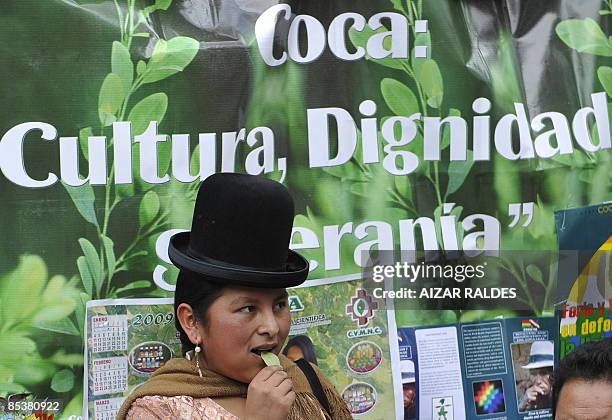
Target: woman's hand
x=270, y=395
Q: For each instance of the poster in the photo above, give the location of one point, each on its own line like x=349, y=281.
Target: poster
x=585, y=282
x=127, y=340
x=498, y=369
x=353, y=338
x=399, y=125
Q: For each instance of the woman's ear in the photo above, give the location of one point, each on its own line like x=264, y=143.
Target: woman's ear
x=188, y=321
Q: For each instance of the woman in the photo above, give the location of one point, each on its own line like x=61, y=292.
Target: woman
x=301, y=347
x=231, y=306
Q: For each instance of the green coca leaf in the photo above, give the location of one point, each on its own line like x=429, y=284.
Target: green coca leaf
x=270, y=359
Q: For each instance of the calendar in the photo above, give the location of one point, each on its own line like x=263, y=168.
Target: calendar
x=110, y=375
x=106, y=408
x=109, y=333
x=127, y=341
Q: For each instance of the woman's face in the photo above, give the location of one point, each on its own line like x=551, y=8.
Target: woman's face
x=295, y=353
x=241, y=323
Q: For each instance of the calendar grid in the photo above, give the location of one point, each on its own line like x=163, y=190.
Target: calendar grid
x=109, y=333
x=107, y=408
x=110, y=375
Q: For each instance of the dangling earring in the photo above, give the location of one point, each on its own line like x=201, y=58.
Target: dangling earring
x=198, y=349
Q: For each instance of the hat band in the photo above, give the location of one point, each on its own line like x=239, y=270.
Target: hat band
x=540, y=358
x=220, y=263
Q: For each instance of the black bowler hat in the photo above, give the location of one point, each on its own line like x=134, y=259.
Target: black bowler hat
x=240, y=234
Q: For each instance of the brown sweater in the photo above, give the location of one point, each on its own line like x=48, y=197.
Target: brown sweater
x=180, y=377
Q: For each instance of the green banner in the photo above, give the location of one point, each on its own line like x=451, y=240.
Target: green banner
x=396, y=125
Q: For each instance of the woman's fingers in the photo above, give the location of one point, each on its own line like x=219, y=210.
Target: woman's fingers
x=285, y=386
x=266, y=373
x=289, y=398
x=270, y=395
x=277, y=378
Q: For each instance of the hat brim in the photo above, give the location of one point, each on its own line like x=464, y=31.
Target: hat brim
x=540, y=364
x=237, y=275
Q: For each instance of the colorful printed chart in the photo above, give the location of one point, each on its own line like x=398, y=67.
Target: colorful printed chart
x=148, y=357
x=360, y=397
x=489, y=397
x=364, y=357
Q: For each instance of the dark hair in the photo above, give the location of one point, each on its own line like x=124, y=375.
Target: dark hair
x=304, y=343
x=199, y=292
x=589, y=362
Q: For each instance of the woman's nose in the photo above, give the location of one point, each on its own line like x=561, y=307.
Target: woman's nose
x=269, y=324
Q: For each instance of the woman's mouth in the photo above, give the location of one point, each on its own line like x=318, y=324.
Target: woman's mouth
x=261, y=349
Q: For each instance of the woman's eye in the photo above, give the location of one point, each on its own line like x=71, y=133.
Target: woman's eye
x=281, y=305
x=247, y=309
